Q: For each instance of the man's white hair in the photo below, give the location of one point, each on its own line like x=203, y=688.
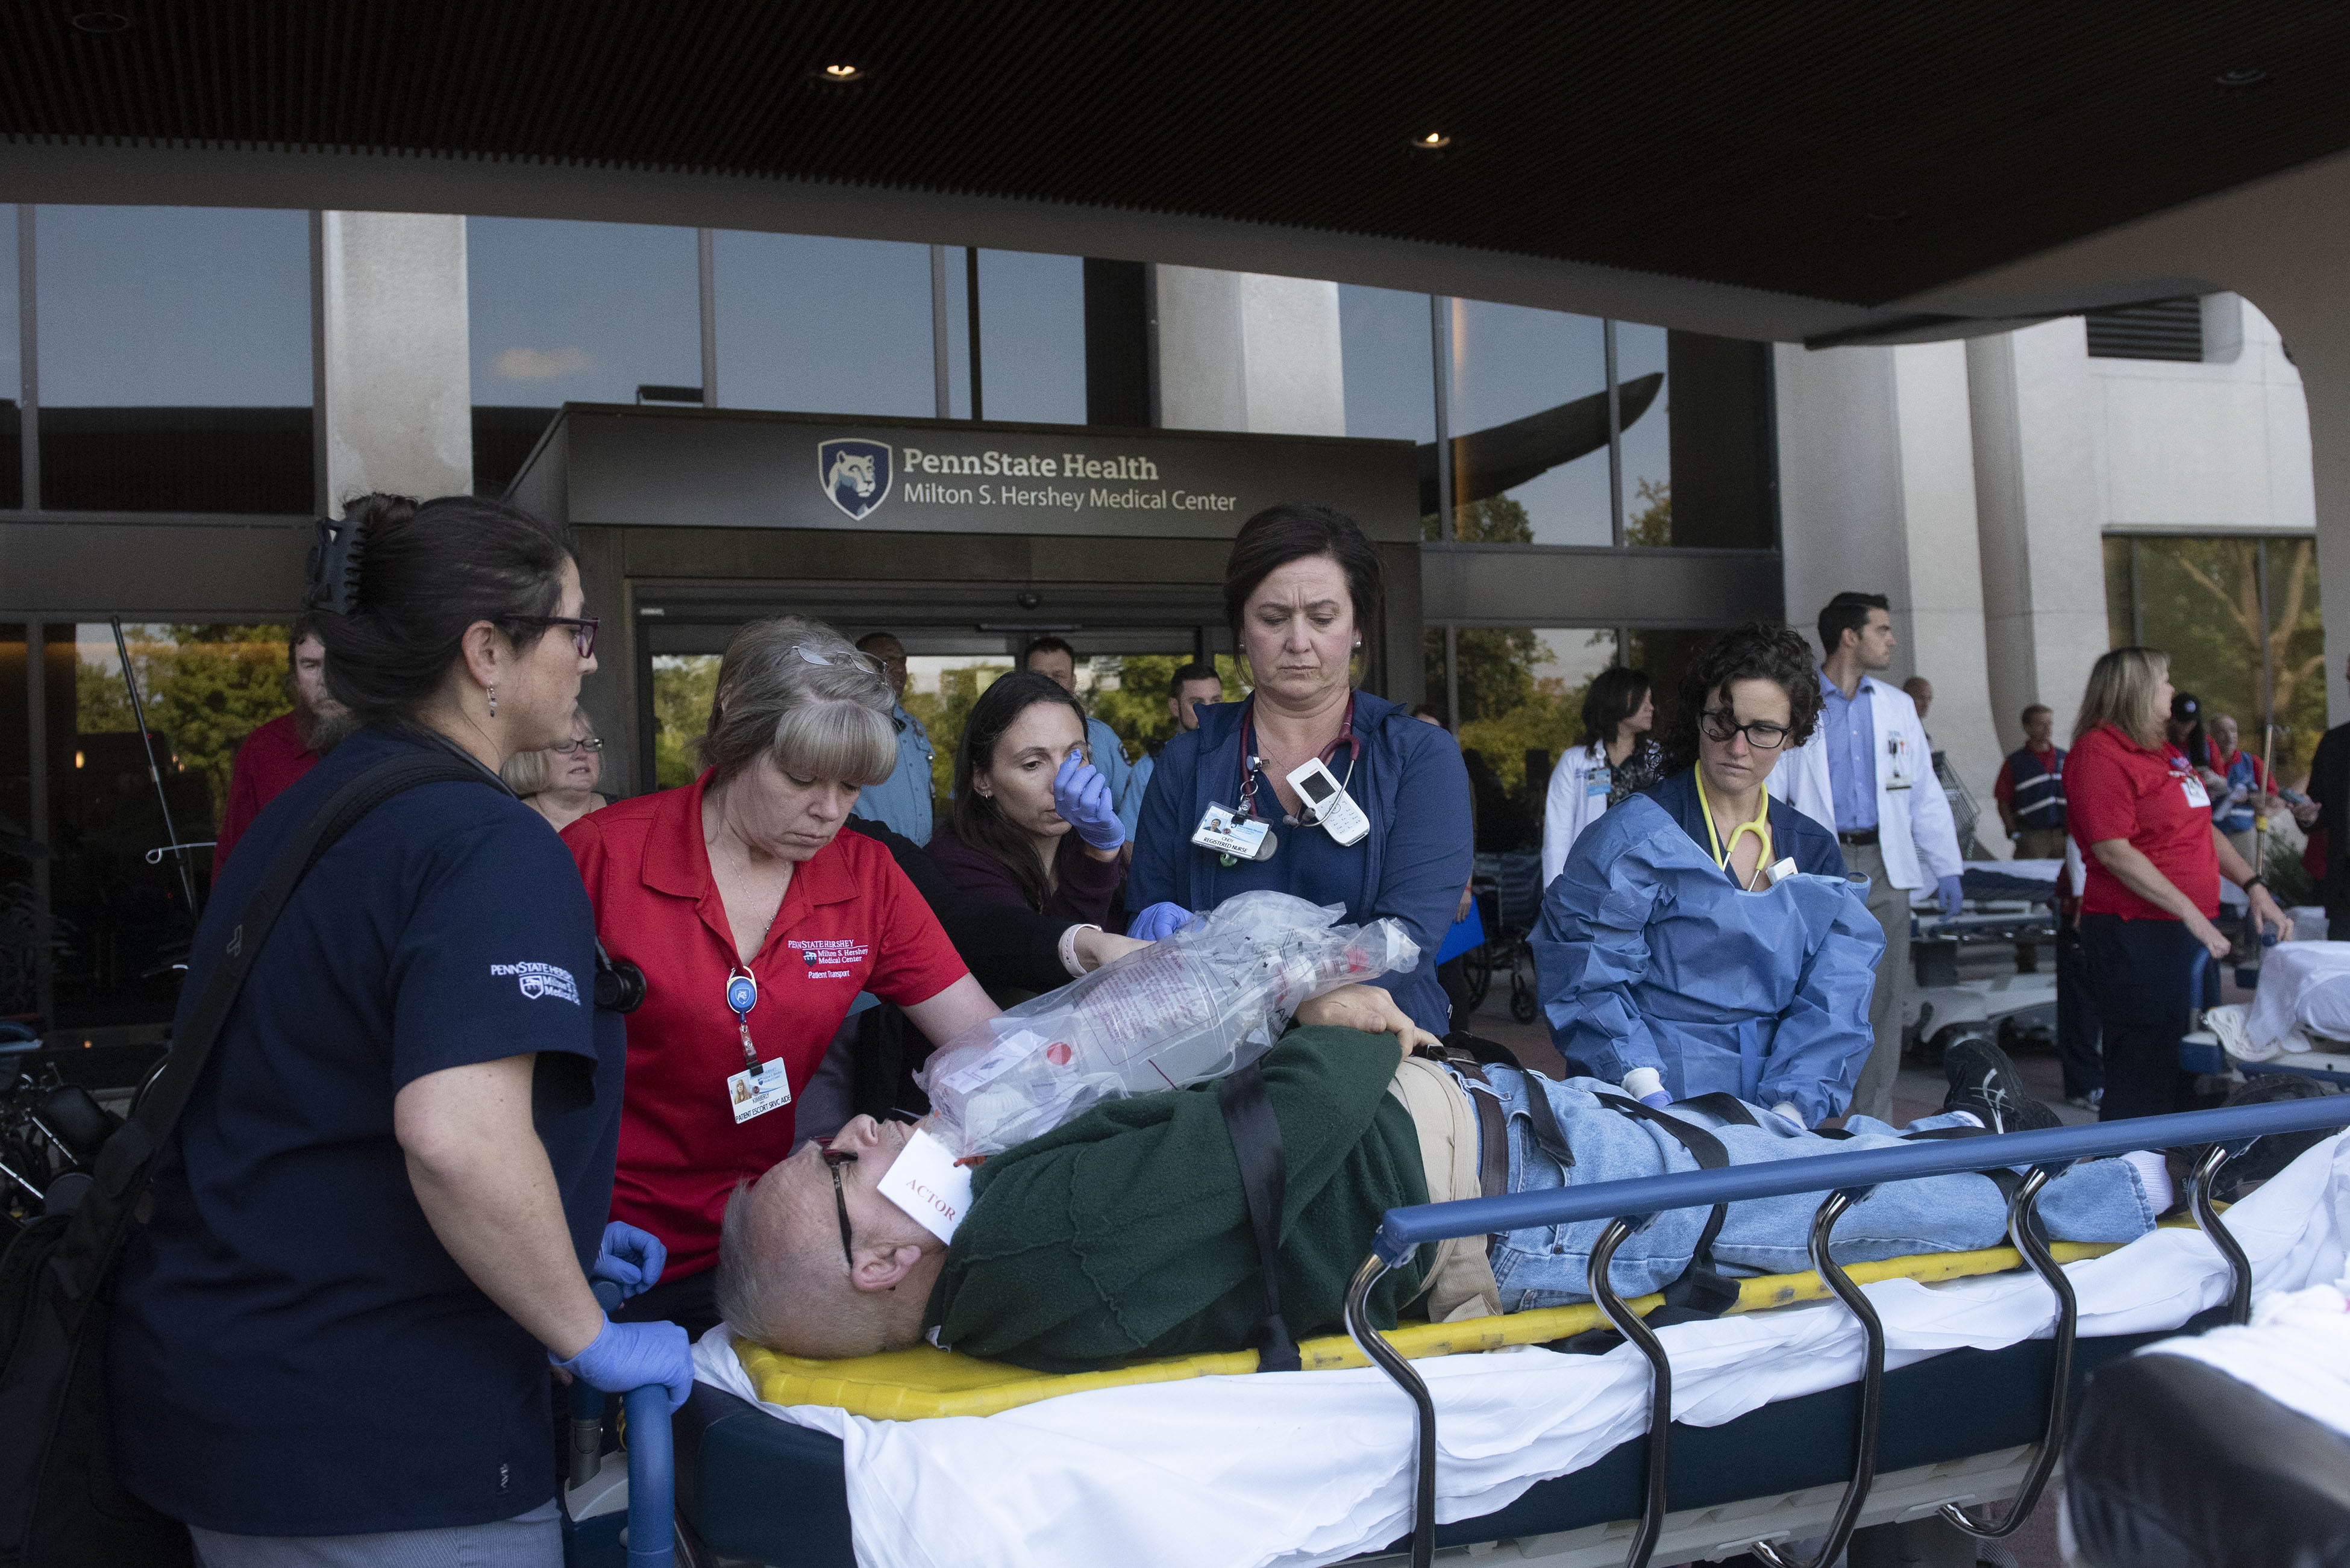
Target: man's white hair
x=781, y=1280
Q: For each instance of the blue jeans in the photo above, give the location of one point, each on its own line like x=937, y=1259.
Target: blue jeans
x=2101, y=1200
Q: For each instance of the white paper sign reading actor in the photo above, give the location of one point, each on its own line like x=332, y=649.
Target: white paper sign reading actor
x=925, y=1181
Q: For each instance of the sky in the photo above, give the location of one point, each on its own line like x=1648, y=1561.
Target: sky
x=171, y=306
x=207, y=306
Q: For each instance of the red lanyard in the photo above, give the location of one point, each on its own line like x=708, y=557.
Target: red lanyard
x=1251, y=761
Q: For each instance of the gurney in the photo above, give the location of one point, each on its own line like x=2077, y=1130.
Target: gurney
x=1963, y=1426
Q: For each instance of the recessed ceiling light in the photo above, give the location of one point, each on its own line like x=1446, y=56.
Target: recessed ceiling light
x=100, y=22
x=2241, y=77
x=841, y=73
x=1433, y=142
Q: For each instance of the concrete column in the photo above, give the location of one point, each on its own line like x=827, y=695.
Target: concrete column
x=1878, y=494
x=392, y=356
x=2042, y=561
x=1241, y=351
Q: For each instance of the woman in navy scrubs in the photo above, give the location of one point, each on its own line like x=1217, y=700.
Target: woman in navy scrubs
x=1302, y=588
x=374, y=1225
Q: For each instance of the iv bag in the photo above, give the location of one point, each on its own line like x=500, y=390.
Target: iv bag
x=1186, y=1009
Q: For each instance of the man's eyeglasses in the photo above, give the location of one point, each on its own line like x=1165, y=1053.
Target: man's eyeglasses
x=1721, y=724
x=592, y=743
x=583, y=629
x=834, y=1159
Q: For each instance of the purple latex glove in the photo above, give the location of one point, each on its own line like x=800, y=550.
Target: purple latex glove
x=1083, y=799
x=628, y=1356
x=1947, y=891
x=1158, y=921
x=632, y=1259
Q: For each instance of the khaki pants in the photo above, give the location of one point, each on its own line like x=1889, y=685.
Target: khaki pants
x=1872, y=1094
x=2040, y=844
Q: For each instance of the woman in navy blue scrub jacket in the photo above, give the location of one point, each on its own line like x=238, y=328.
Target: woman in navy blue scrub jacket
x=1301, y=589
x=374, y=1225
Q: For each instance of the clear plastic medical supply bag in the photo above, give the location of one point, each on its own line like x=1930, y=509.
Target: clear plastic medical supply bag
x=1184, y=1010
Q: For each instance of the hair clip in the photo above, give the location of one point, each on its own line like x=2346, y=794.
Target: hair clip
x=332, y=570
x=865, y=662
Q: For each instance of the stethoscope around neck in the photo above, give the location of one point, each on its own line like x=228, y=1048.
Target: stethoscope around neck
x=1251, y=763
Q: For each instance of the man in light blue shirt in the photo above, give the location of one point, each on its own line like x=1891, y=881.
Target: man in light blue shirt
x=1057, y=662
x=902, y=803
x=1867, y=773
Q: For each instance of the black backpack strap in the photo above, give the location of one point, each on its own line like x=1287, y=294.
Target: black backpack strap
x=1703, y=1291
x=1264, y=1175
x=132, y=1147
x=1722, y=1106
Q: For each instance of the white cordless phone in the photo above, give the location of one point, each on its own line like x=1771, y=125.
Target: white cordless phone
x=1333, y=808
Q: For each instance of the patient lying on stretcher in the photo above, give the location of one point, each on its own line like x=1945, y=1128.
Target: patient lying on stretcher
x=1125, y=1233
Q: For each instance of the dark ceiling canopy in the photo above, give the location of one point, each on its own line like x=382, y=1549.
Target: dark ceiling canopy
x=1846, y=150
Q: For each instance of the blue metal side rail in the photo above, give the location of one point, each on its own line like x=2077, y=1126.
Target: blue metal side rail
x=1847, y=1178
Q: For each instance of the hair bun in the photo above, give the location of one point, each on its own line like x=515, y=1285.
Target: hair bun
x=331, y=574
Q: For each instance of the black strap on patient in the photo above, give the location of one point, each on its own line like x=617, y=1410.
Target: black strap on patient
x=1701, y=1291
x=1256, y=1147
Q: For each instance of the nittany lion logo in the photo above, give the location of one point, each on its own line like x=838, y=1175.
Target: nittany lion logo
x=855, y=473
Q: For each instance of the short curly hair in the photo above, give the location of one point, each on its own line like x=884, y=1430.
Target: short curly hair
x=1759, y=651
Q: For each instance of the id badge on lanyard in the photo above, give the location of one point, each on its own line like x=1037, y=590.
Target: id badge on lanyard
x=760, y=1087
x=2197, y=795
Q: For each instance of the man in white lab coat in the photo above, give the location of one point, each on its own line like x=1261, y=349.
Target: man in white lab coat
x=1868, y=774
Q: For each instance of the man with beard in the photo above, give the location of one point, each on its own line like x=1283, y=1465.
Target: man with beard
x=286, y=747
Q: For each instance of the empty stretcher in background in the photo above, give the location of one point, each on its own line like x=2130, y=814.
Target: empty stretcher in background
x=1969, y=1426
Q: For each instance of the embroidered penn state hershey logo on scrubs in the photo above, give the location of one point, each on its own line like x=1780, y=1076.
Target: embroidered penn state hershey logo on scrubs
x=540, y=980
x=856, y=475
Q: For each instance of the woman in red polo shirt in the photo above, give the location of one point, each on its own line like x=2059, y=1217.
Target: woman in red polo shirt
x=756, y=922
x=2155, y=859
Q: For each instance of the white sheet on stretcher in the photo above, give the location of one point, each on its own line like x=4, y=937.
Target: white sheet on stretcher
x=1299, y=1468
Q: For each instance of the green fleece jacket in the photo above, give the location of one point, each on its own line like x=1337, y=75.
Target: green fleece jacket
x=1124, y=1234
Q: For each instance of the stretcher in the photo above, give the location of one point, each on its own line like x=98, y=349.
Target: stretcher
x=1963, y=1427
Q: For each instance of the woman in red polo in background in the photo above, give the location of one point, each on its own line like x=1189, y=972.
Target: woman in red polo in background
x=2143, y=820
x=756, y=922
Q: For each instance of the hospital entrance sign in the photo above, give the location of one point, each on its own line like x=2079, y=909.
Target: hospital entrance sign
x=728, y=468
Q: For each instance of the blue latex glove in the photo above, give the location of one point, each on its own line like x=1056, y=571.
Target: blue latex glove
x=628, y=1356
x=1658, y=1100
x=1158, y=921
x=630, y=1258
x=1083, y=799
x=1947, y=891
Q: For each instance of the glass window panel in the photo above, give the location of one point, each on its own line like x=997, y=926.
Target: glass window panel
x=1705, y=447
x=1545, y=481
x=824, y=325
x=1521, y=708
x=123, y=921
x=1645, y=408
x=1663, y=654
x=1387, y=349
x=175, y=358
x=1032, y=325
x=572, y=312
x=1130, y=692
x=2121, y=623
x=940, y=691
x=12, y=384
x=683, y=684
x=2297, y=656
x=2201, y=606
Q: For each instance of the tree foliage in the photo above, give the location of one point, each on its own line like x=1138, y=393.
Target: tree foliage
x=2201, y=601
x=1653, y=524
x=683, y=685
x=1134, y=702
x=205, y=688
x=943, y=713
